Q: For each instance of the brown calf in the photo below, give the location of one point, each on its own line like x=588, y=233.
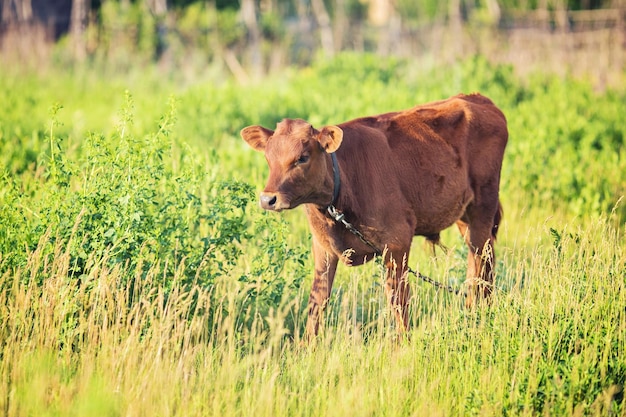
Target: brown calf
x=414, y=172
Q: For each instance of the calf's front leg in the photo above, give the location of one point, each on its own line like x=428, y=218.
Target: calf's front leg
x=398, y=290
x=325, y=269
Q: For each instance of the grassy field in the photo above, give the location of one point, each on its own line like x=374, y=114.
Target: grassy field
x=139, y=277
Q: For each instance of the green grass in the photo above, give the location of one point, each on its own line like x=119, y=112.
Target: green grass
x=552, y=344
x=139, y=277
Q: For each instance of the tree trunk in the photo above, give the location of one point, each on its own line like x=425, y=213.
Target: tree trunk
x=456, y=27
x=494, y=11
x=383, y=15
x=213, y=36
x=158, y=8
x=560, y=16
x=379, y=12
x=249, y=16
x=326, y=31
x=77, y=28
x=341, y=24
x=16, y=11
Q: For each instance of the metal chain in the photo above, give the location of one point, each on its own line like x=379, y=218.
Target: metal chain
x=339, y=217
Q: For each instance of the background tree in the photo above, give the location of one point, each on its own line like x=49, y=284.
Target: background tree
x=249, y=17
x=77, y=28
x=16, y=11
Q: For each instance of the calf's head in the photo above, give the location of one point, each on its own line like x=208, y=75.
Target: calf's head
x=297, y=155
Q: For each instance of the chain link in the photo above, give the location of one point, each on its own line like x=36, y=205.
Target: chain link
x=340, y=217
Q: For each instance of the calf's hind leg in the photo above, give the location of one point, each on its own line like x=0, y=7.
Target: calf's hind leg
x=478, y=227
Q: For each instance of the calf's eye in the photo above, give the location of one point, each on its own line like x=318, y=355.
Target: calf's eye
x=304, y=158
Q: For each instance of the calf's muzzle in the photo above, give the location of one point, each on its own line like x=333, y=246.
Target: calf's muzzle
x=268, y=201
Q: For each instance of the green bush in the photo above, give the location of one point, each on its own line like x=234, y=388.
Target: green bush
x=135, y=202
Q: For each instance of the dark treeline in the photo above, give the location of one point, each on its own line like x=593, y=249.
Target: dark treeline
x=253, y=37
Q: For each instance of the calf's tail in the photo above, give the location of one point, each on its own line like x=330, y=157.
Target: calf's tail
x=496, y=220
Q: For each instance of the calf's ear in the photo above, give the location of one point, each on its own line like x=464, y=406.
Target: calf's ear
x=256, y=136
x=330, y=138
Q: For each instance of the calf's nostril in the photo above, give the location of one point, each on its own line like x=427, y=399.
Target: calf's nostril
x=268, y=200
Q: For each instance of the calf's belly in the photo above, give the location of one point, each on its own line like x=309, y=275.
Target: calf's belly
x=441, y=213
